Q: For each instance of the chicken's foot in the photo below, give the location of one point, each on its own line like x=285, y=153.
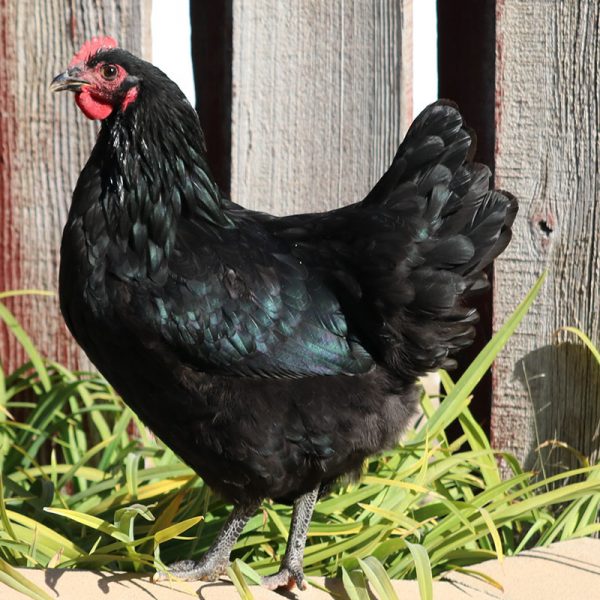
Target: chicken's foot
x=291, y=572
x=216, y=560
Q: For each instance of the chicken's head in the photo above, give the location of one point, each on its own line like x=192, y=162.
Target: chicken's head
x=100, y=83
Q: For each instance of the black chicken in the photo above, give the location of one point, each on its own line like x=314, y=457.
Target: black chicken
x=272, y=354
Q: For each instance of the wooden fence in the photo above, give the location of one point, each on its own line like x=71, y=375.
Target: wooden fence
x=304, y=104
x=44, y=142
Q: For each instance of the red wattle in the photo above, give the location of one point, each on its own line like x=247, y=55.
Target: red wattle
x=91, y=107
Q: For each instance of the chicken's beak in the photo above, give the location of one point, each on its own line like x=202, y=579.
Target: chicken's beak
x=68, y=80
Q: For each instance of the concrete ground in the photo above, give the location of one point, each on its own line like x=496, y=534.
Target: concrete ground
x=564, y=571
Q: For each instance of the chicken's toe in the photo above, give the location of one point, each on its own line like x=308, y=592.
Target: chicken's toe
x=286, y=577
x=190, y=570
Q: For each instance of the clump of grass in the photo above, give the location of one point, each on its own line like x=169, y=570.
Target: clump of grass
x=85, y=485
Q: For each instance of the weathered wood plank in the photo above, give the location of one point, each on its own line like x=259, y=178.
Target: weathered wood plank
x=44, y=142
x=548, y=117
x=321, y=97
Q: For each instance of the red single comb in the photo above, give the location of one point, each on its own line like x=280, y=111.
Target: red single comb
x=92, y=46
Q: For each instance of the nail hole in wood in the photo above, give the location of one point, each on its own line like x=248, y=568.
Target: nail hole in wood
x=544, y=227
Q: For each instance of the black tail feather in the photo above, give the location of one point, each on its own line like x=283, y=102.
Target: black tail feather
x=468, y=226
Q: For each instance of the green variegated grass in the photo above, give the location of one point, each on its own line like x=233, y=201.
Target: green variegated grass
x=85, y=485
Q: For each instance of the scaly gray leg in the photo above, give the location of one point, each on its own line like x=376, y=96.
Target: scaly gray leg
x=290, y=571
x=216, y=560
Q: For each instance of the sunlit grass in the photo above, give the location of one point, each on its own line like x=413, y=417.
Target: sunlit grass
x=85, y=485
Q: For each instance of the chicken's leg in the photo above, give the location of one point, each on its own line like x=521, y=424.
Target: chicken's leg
x=216, y=560
x=291, y=571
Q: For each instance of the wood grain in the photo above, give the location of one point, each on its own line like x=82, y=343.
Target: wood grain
x=44, y=142
x=548, y=117
x=321, y=98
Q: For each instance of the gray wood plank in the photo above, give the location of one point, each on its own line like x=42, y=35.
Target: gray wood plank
x=548, y=116
x=321, y=97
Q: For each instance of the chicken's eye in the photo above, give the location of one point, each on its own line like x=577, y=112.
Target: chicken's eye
x=109, y=72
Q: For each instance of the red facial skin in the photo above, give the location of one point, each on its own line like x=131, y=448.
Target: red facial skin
x=98, y=97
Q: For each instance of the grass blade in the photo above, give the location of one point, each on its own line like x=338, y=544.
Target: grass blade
x=423, y=570
x=239, y=581
x=354, y=585
x=18, y=582
x=585, y=339
x=25, y=341
x=378, y=578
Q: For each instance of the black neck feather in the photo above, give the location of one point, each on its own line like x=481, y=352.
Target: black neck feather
x=149, y=162
x=154, y=154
